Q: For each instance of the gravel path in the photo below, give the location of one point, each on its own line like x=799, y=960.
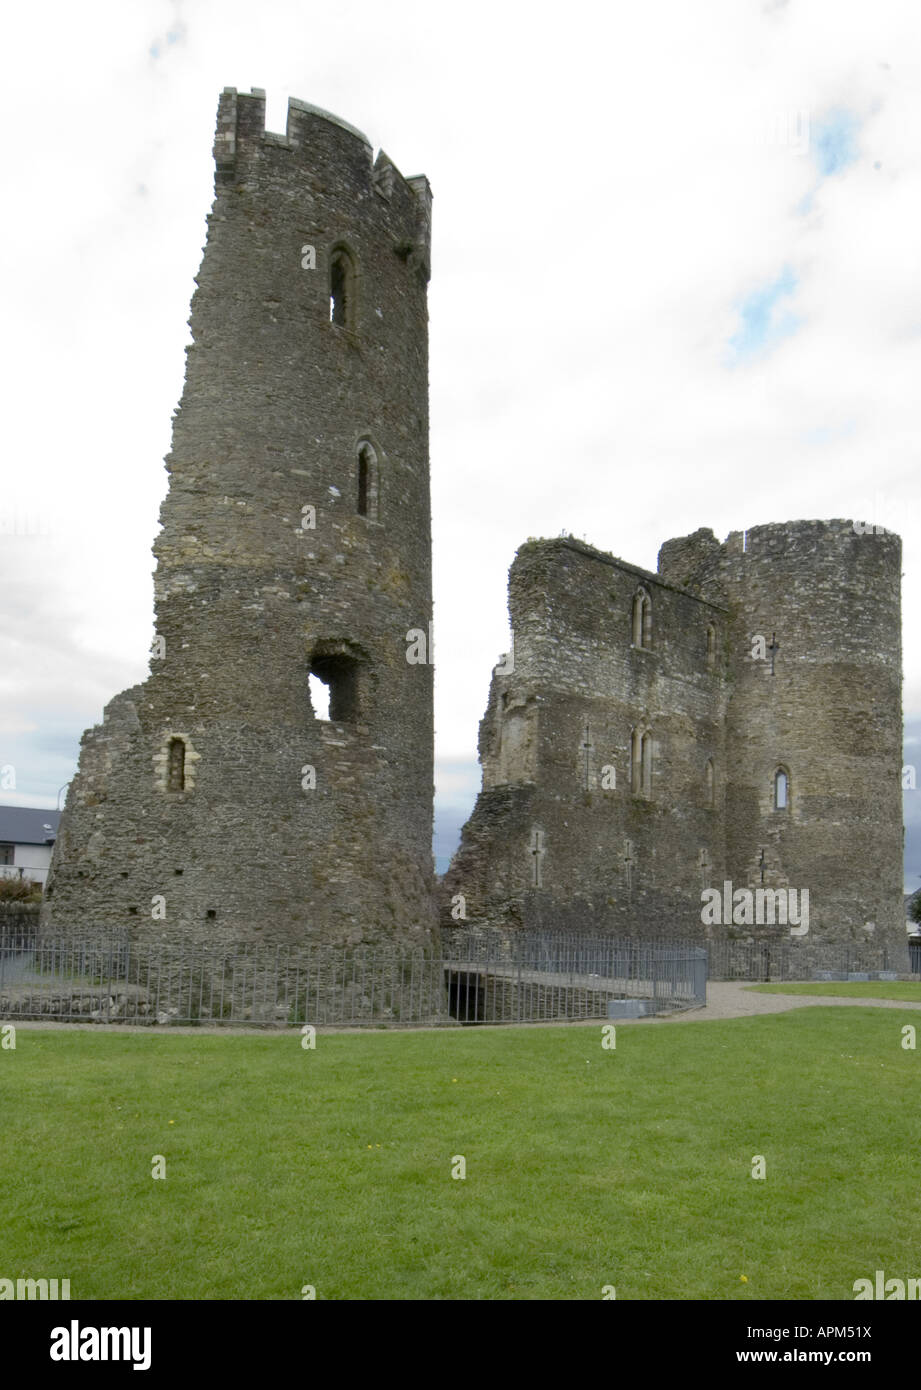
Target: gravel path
x=730, y=999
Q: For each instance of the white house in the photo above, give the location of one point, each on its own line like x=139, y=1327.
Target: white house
x=27, y=836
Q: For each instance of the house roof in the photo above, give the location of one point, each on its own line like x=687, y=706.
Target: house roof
x=25, y=825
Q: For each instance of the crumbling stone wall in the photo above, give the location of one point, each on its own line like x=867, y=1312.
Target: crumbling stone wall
x=212, y=804
x=617, y=852
x=581, y=691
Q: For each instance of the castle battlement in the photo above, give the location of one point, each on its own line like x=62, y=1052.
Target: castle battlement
x=326, y=145
x=241, y=116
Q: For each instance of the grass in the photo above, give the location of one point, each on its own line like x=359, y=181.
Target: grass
x=584, y=1167
x=905, y=991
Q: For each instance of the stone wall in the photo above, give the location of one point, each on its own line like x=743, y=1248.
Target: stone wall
x=558, y=744
x=213, y=804
x=628, y=836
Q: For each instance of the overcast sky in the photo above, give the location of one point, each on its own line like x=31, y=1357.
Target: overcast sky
x=675, y=284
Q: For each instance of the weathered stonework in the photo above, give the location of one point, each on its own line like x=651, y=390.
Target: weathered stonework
x=636, y=752
x=296, y=540
x=630, y=756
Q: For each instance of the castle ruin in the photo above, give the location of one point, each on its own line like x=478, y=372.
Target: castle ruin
x=733, y=719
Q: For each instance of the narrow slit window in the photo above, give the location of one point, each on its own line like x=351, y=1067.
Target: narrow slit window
x=368, y=481
x=641, y=763
x=711, y=645
x=342, y=288
x=781, y=790
x=642, y=619
x=176, y=766
x=646, y=764
x=708, y=782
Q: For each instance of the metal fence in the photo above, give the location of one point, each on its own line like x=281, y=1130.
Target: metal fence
x=521, y=980
x=786, y=960
x=18, y=919
x=116, y=980
x=778, y=959
x=471, y=977
x=914, y=954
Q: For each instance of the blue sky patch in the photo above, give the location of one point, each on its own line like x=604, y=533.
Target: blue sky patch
x=765, y=320
x=833, y=141
x=173, y=36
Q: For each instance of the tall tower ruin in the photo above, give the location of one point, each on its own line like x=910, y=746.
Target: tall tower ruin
x=295, y=543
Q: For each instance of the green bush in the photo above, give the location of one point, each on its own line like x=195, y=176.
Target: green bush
x=20, y=890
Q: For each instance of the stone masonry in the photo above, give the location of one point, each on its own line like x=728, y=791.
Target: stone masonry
x=213, y=804
x=735, y=717
x=655, y=745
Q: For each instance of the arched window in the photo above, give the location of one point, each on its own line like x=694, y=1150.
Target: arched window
x=708, y=782
x=642, y=619
x=641, y=762
x=342, y=287
x=368, y=481
x=646, y=763
x=781, y=789
x=175, y=771
x=711, y=645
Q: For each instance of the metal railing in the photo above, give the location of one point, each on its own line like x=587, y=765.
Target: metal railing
x=728, y=959
x=470, y=977
x=115, y=980
x=785, y=960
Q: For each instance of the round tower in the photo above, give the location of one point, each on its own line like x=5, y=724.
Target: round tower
x=295, y=553
x=814, y=727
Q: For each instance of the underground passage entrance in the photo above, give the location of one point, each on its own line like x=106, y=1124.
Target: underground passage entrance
x=465, y=995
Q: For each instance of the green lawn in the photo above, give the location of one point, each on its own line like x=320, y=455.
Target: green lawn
x=585, y=1167
x=903, y=990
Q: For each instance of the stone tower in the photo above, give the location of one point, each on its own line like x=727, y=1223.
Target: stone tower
x=814, y=719
x=213, y=803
